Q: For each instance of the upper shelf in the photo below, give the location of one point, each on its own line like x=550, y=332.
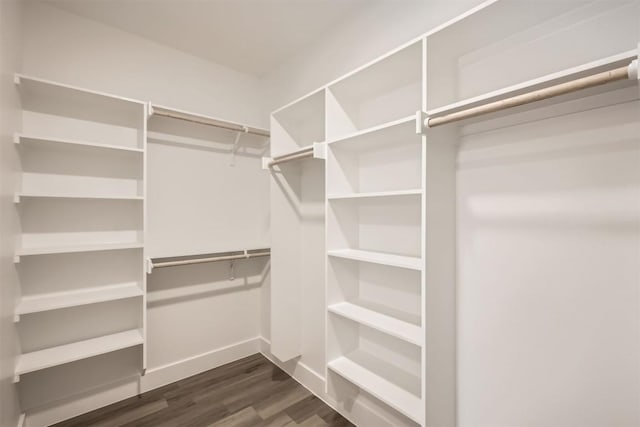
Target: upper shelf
x=65, y=249
x=386, y=90
x=299, y=124
x=40, y=94
x=507, y=35
x=33, y=140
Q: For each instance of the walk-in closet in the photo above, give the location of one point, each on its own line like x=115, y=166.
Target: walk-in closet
x=371, y=213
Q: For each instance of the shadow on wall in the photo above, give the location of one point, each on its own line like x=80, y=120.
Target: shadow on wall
x=178, y=284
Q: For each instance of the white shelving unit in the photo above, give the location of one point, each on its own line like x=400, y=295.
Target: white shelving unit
x=297, y=220
x=376, y=280
x=81, y=202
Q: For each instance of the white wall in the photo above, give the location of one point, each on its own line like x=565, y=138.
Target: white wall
x=10, y=42
x=198, y=201
x=64, y=47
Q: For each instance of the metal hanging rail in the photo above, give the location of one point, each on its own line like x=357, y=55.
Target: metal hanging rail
x=204, y=120
x=622, y=73
x=316, y=150
x=200, y=259
x=302, y=154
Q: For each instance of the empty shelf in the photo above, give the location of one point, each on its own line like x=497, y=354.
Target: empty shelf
x=77, y=248
x=54, y=356
x=389, y=325
x=37, y=140
x=382, y=134
x=74, y=298
x=375, y=194
x=412, y=263
x=396, y=397
x=19, y=196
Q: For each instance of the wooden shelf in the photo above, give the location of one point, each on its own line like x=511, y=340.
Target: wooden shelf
x=77, y=248
x=379, y=133
x=64, y=96
x=78, y=297
x=396, y=397
x=389, y=325
x=55, y=356
x=399, y=193
x=40, y=140
x=412, y=263
x=19, y=196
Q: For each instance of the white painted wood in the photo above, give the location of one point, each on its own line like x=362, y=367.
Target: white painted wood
x=73, y=298
x=461, y=70
x=19, y=196
x=378, y=160
x=298, y=125
x=375, y=280
x=77, y=248
x=49, y=357
x=375, y=194
x=387, y=90
x=394, y=396
x=297, y=227
x=413, y=263
x=387, y=324
x=35, y=140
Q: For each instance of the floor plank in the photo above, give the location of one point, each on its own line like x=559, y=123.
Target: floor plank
x=251, y=392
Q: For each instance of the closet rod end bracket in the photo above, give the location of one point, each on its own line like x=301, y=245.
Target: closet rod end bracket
x=422, y=122
x=633, y=70
x=265, y=162
x=149, y=266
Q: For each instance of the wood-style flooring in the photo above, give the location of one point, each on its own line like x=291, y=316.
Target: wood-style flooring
x=251, y=392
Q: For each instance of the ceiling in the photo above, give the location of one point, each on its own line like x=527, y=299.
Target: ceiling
x=251, y=36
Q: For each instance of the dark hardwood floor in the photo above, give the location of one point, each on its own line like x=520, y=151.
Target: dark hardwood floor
x=251, y=392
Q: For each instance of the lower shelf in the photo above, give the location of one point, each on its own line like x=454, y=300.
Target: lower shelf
x=396, y=397
x=57, y=300
x=55, y=356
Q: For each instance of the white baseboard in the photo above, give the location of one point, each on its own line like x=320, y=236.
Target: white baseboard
x=166, y=374
x=154, y=378
x=357, y=411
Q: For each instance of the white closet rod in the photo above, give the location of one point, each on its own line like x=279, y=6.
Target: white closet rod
x=244, y=255
x=622, y=73
x=193, y=118
x=302, y=154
